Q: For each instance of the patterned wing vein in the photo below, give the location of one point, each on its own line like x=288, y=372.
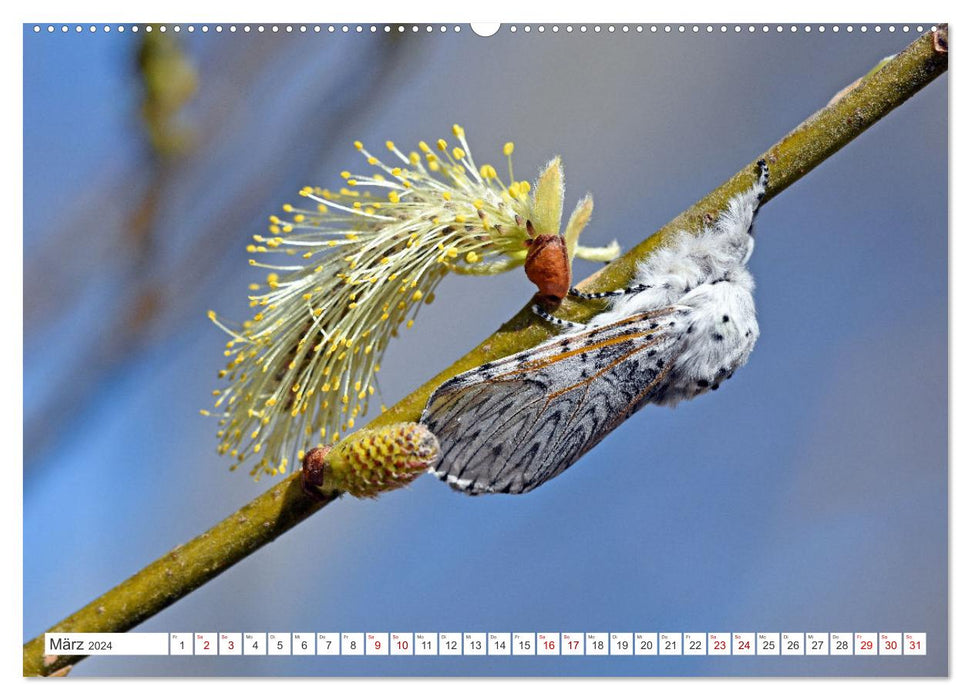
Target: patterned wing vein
x=511, y=425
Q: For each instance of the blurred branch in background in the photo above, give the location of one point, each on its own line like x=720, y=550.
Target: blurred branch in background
x=169, y=80
x=141, y=225
x=187, y=567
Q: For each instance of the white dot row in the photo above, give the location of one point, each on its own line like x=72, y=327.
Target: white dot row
x=414, y=28
x=274, y=28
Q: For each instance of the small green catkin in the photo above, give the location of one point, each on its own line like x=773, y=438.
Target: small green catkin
x=371, y=461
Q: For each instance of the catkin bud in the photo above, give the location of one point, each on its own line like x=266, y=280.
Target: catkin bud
x=371, y=461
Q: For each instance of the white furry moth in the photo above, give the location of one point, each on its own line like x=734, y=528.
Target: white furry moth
x=685, y=324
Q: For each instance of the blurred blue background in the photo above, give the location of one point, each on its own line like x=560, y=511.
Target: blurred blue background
x=809, y=494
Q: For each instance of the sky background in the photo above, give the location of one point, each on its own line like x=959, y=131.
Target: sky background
x=808, y=494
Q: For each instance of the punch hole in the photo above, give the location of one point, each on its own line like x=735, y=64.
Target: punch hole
x=485, y=28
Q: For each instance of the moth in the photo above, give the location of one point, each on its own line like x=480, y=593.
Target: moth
x=686, y=324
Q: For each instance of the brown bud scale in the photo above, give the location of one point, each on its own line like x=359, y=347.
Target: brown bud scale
x=548, y=267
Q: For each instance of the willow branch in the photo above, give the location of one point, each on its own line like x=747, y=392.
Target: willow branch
x=189, y=566
x=805, y=147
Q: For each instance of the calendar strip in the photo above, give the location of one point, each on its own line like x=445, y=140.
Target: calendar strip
x=374, y=644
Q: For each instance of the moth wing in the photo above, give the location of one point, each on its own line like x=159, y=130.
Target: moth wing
x=511, y=425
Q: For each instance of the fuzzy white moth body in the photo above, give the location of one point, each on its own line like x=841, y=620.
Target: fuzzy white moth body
x=704, y=277
x=685, y=324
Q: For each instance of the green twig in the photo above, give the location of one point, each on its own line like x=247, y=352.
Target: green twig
x=182, y=570
x=276, y=511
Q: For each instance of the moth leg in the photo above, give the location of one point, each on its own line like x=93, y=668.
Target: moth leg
x=759, y=190
x=550, y=318
x=574, y=292
x=763, y=178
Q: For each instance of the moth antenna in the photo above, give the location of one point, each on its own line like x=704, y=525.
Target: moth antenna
x=550, y=318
